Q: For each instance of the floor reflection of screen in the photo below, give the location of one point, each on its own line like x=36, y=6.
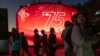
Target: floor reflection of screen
x=43, y=16
x=4, y=46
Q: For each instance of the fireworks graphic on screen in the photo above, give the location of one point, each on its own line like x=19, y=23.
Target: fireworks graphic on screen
x=43, y=16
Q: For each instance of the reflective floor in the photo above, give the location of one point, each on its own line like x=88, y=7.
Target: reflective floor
x=59, y=52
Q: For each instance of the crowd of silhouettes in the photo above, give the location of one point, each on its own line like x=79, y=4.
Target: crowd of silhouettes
x=47, y=43
x=75, y=36
x=19, y=43
x=78, y=38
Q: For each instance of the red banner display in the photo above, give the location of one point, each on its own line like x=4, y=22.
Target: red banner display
x=43, y=16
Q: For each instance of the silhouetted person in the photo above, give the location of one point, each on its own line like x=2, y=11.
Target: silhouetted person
x=15, y=42
x=24, y=43
x=52, y=42
x=37, y=42
x=66, y=36
x=44, y=43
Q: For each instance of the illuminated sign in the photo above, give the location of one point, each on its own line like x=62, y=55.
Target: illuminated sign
x=43, y=16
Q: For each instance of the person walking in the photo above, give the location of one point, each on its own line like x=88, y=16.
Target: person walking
x=66, y=36
x=44, y=43
x=15, y=42
x=24, y=44
x=52, y=42
x=37, y=42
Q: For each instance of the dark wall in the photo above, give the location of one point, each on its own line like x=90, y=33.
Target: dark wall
x=3, y=23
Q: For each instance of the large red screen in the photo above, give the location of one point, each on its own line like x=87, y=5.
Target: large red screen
x=43, y=16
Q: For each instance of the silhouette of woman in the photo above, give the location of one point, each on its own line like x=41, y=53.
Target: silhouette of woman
x=44, y=43
x=37, y=42
x=52, y=42
x=24, y=43
x=15, y=42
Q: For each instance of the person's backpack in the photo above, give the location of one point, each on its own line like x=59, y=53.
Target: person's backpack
x=68, y=37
